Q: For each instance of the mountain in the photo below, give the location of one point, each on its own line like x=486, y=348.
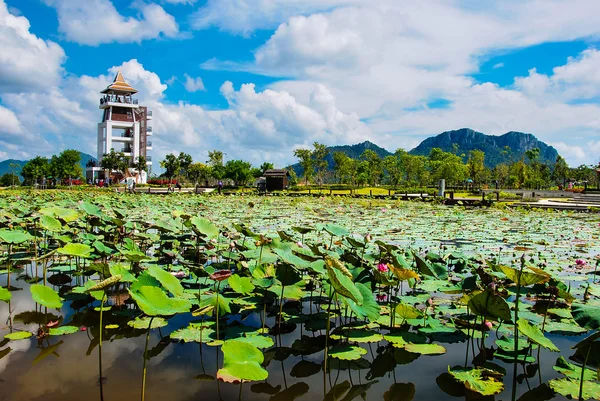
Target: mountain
x=492, y=145
x=5, y=165
x=353, y=151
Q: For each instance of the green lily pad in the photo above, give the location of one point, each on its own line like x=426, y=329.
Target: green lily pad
x=195, y=332
x=14, y=236
x=154, y=302
x=241, y=285
x=63, y=330
x=357, y=336
x=347, y=352
x=573, y=371
x=76, y=250
x=587, y=316
x=167, y=280
x=425, y=349
x=18, y=335
x=257, y=341
x=570, y=388
x=5, y=295
x=482, y=381
x=45, y=296
x=142, y=323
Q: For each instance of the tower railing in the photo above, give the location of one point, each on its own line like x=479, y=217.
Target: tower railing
x=118, y=99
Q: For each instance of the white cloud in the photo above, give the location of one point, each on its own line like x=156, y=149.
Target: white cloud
x=26, y=61
x=93, y=22
x=193, y=84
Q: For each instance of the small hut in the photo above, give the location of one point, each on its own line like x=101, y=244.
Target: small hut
x=276, y=179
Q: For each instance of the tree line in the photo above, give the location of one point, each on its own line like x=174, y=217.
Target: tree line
x=405, y=169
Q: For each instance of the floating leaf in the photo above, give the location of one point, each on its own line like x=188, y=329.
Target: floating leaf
x=195, y=332
x=526, y=278
x=587, y=316
x=570, y=388
x=45, y=296
x=50, y=223
x=347, y=352
x=154, y=302
x=167, y=280
x=14, y=236
x=63, y=330
x=482, y=381
x=76, y=250
x=572, y=371
x=425, y=349
x=18, y=335
x=408, y=311
x=5, y=295
x=142, y=323
x=204, y=227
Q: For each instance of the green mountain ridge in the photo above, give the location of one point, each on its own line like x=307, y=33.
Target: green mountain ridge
x=467, y=140
x=5, y=164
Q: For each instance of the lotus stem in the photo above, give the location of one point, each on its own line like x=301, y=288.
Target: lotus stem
x=516, y=330
x=145, y=359
x=101, y=329
x=280, y=309
x=583, y=373
x=217, y=309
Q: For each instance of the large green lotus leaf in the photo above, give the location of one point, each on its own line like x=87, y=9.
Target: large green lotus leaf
x=286, y=255
x=294, y=292
x=50, y=223
x=78, y=250
x=144, y=279
x=573, y=371
x=90, y=209
x=167, y=280
x=423, y=265
x=257, y=341
x=204, y=227
x=489, y=305
x=63, y=330
x=343, y=285
x=588, y=341
x=119, y=269
x=154, y=302
x=570, y=388
x=45, y=296
x=195, y=332
x=62, y=213
x=565, y=327
x=142, y=323
x=241, y=285
x=336, y=230
x=241, y=361
x=209, y=305
x=369, y=309
x=482, y=381
x=357, y=335
x=14, y=236
x=400, y=392
x=406, y=311
x=425, y=349
x=18, y=335
x=587, y=315
x=5, y=295
x=535, y=335
x=347, y=352
x=527, y=278
x=287, y=274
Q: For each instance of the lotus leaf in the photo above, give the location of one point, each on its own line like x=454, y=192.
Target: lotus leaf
x=18, y=335
x=241, y=361
x=347, y=352
x=535, y=335
x=482, y=381
x=154, y=302
x=587, y=315
x=63, y=330
x=76, y=250
x=573, y=371
x=5, y=295
x=241, y=285
x=570, y=388
x=167, y=280
x=490, y=306
x=45, y=296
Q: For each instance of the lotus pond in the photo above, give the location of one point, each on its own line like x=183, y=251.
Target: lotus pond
x=185, y=297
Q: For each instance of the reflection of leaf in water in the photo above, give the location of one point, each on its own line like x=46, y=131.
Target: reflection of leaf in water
x=44, y=353
x=159, y=348
x=5, y=352
x=358, y=390
x=400, y=392
x=337, y=391
x=307, y=345
x=540, y=393
x=305, y=369
x=204, y=377
x=448, y=385
x=382, y=364
x=265, y=388
x=291, y=393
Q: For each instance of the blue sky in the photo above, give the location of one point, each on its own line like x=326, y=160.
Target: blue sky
x=259, y=78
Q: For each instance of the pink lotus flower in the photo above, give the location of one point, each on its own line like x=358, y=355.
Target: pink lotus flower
x=383, y=210
x=300, y=244
x=381, y=297
x=179, y=274
x=488, y=325
x=580, y=262
x=83, y=329
x=382, y=267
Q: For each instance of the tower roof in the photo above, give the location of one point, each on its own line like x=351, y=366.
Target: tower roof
x=119, y=85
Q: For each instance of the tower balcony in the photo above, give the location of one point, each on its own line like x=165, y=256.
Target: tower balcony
x=149, y=145
x=148, y=131
x=149, y=115
x=118, y=101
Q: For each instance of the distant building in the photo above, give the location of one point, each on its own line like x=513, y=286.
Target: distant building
x=276, y=179
x=124, y=127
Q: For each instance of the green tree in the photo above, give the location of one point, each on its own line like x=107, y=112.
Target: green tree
x=66, y=165
x=342, y=167
x=215, y=158
x=415, y=168
x=374, y=165
x=501, y=173
x=185, y=161
x=199, y=172
x=115, y=161
x=448, y=166
x=266, y=166
x=171, y=165
x=561, y=170
x=393, y=167
x=9, y=179
x=140, y=164
x=35, y=169
x=239, y=171
x=320, y=164
x=306, y=161
x=476, y=166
